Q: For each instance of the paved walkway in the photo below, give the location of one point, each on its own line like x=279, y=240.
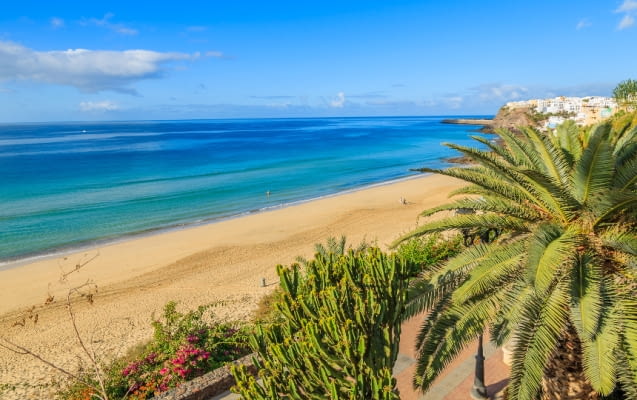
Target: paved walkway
x=456, y=381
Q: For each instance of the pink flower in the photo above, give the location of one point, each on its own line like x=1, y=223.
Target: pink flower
x=163, y=371
x=192, y=339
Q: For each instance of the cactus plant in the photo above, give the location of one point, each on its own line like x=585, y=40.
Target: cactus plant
x=340, y=332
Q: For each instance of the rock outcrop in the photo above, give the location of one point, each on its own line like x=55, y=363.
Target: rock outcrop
x=513, y=118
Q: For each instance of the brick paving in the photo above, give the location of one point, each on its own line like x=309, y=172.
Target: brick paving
x=456, y=381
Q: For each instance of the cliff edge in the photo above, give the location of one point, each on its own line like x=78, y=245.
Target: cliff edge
x=513, y=118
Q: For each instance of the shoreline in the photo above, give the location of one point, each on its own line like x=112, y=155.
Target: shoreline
x=91, y=244
x=221, y=263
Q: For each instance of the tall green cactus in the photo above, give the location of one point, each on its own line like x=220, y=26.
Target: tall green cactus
x=339, y=335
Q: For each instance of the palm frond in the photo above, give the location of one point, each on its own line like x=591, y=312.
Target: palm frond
x=555, y=163
x=599, y=368
x=626, y=174
x=488, y=204
x=536, y=336
x=449, y=334
x=567, y=137
x=512, y=305
x=521, y=149
x=626, y=372
x=586, y=297
x=612, y=204
x=593, y=172
x=624, y=142
x=483, y=221
x=550, y=193
x=620, y=239
x=493, y=183
x=422, y=295
x=501, y=151
x=493, y=272
x=551, y=249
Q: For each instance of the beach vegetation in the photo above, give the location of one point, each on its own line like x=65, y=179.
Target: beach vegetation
x=625, y=93
x=340, y=331
x=422, y=252
x=265, y=311
x=184, y=346
x=335, y=246
x=559, y=283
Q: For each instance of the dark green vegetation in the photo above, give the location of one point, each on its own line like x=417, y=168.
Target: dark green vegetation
x=625, y=93
x=560, y=280
x=183, y=347
x=339, y=335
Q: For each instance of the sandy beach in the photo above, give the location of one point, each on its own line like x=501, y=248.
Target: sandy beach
x=224, y=261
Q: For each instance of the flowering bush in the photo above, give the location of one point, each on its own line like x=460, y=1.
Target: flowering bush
x=184, y=346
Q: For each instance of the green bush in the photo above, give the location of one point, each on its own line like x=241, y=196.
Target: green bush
x=339, y=335
x=184, y=346
x=423, y=251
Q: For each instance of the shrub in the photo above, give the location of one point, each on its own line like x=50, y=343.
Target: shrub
x=339, y=335
x=424, y=251
x=184, y=346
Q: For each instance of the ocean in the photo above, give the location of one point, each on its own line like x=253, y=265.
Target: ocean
x=69, y=185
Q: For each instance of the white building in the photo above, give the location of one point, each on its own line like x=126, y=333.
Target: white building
x=583, y=110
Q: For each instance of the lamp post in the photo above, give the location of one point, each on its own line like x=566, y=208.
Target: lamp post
x=478, y=390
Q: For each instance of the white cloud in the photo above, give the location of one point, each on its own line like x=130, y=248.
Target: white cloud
x=500, y=92
x=216, y=54
x=57, y=22
x=627, y=6
x=339, y=102
x=583, y=23
x=629, y=9
x=454, y=102
x=626, y=22
x=87, y=70
x=105, y=22
x=88, y=106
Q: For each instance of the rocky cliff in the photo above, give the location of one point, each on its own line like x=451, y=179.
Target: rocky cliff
x=513, y=118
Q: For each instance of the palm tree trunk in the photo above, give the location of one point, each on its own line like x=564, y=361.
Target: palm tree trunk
x=564, y=377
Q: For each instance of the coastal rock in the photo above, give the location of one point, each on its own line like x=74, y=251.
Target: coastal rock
x=513, y=118
x=467, y=121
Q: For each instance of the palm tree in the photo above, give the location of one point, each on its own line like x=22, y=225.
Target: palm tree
x=561, y=279
x=625, y=93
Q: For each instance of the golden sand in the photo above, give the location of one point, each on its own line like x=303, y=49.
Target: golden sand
x=225, y=261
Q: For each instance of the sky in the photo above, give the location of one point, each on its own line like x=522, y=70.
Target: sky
x=136, y=60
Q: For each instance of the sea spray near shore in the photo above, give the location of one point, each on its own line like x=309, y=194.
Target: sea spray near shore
x=65, y=185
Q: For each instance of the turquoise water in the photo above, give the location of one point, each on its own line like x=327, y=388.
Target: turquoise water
x=64, y=185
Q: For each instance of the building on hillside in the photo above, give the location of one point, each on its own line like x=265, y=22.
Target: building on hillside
x=583, y=110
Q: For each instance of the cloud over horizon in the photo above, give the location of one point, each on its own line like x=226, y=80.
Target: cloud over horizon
x=87, y=70
x=339, y=102
x=500, y=92
x=88, y=106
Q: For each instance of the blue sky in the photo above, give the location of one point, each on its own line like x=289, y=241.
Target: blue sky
x=129, y=60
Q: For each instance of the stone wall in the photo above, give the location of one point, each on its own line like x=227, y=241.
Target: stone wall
x=208, y=385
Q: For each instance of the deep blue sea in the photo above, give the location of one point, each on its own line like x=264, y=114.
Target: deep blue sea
x=66, y=185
